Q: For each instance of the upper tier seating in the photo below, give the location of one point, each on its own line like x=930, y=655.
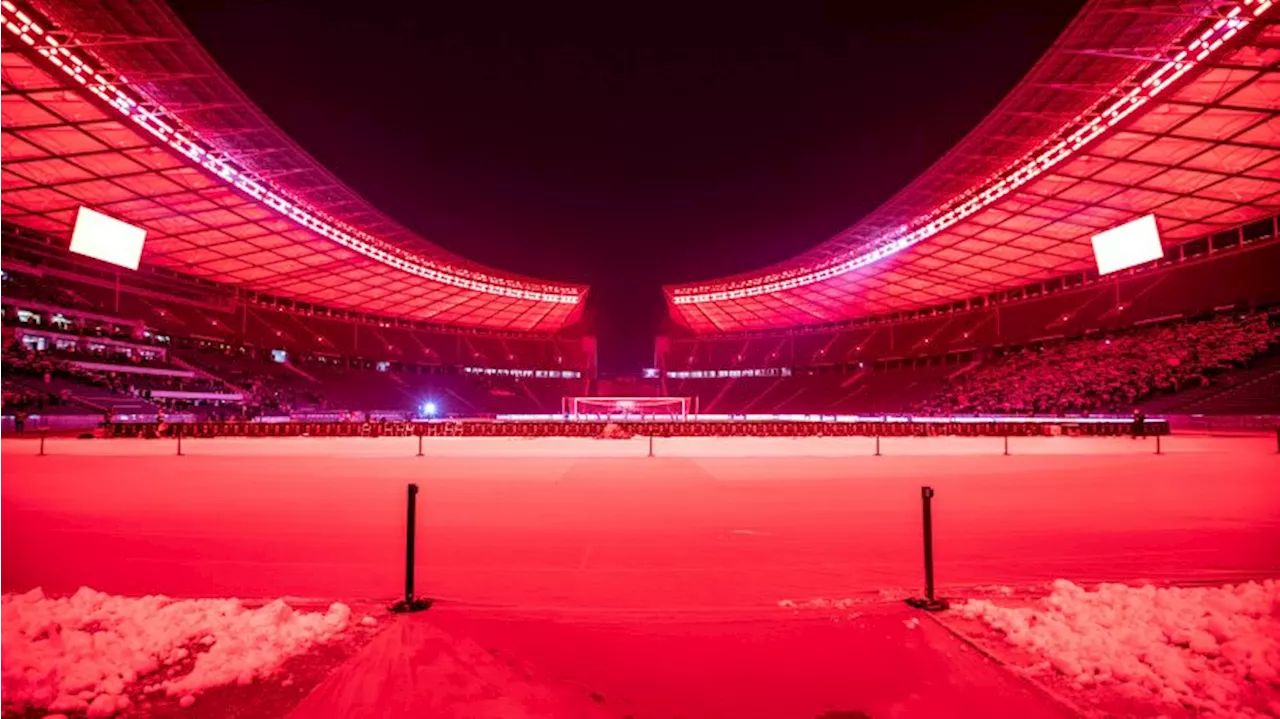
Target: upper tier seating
x=1189, y=288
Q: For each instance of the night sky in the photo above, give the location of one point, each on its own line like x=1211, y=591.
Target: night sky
x=626, y=146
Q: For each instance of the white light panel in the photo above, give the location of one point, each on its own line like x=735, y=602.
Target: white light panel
x=105, y=238
x=1131, y=244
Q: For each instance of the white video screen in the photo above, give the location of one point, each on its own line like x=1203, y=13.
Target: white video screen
x=105, y=238
x=1128, y=245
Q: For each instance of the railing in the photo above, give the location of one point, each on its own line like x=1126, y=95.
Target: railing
x=1224, y=423
x=936, y=427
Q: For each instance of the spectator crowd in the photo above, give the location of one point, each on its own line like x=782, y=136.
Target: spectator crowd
x=1095, y=374
x=1107, y=374
x=36, y=380
x=28, y=377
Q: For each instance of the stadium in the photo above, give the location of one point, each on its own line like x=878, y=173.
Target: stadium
x=1007, y=445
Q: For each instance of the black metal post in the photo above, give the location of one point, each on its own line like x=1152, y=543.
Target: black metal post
x=930, y=602
x=411, y=536
x=877, y=444
x=1157, y=444
x=1006, y=445
x=42, y=434
x=410, y=603
x=419, y=445
x=650, y=445
x=179, y=439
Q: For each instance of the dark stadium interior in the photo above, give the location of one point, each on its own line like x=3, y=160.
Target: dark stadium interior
x=226, y=289
x=1192, y=344
x=652, y=350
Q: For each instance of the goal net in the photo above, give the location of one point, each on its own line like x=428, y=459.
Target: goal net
x=627, y=407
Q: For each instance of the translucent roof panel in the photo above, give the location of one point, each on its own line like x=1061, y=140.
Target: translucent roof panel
x=111, y=104
x=1135, y=110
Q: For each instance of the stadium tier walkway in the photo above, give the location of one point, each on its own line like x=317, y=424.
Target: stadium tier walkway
x=873, y=660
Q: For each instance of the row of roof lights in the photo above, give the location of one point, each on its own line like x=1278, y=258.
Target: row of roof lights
x=1011, y=178
x=19, y=24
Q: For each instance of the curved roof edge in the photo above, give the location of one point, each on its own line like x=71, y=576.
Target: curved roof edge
x=137, y=58
x=1115, y=58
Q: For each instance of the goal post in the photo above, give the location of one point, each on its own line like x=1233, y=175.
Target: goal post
x=627, y=407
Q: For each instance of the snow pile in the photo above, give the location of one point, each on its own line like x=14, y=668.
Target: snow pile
x=1199, y=647
x=86, y=652
x=819, y=603
x=837, y=610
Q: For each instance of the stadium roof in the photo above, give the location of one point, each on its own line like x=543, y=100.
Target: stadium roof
x=112, y=104
x=1157, y=106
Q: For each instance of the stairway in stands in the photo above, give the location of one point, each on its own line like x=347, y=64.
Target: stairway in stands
x=1259, y=394
x=1252, y=390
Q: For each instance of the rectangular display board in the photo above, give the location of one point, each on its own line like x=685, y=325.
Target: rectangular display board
x=1131, y=244
x=105, y=238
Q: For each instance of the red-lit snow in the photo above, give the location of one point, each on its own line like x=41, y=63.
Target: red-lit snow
x=710, y=536
x=91, y=651
x=1196, y=647
x=708, y=523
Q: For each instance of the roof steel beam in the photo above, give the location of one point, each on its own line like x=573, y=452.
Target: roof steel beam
x=95, y=39
x=1150, y=55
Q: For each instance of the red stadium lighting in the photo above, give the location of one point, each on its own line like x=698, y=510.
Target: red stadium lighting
x=1125, y=100
x=149, y=117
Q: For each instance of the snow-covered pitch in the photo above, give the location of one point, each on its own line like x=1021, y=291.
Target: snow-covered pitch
x=706, y=523
x=712, y=527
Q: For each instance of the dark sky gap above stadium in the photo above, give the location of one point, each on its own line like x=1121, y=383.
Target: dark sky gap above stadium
x=626, y=146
